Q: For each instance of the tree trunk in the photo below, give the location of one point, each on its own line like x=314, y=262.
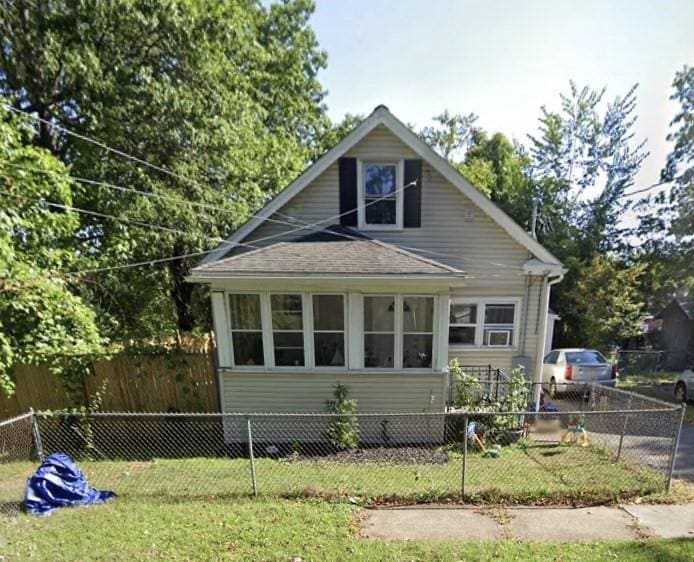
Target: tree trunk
x=181, y=291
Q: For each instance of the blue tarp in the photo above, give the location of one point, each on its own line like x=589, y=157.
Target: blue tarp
x=59, y=483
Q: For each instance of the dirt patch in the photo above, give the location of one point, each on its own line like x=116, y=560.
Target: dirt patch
x=399, y=455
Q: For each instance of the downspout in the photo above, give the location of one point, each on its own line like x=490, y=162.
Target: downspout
x=537, y=378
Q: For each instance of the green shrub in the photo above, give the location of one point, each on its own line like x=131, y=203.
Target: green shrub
x=343, y=430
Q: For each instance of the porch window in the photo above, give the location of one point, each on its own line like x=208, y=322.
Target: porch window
x=482, y=323
x=246, y=329
x=329, y=330
x=379, y=331
x=418, y=332
x=287, y=330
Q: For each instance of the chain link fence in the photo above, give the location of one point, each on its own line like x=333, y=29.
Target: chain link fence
x=601, y=445
x=17, y=460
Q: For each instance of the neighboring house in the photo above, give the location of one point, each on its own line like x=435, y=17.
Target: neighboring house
x=373, y=269
x=676, y=334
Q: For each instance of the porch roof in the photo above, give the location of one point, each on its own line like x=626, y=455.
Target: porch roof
x=335, y=250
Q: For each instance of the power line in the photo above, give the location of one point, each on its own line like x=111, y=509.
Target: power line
x=643, y=190
x=101, y=145
x=123, y=154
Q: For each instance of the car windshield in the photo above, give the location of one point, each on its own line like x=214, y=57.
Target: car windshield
x=586, y=356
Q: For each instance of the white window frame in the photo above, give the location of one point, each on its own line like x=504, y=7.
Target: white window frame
x=474, y=325
x=230, y=330
x=303, y=330
x=399, y=333
x=434, y=320
x=479, y=326
x=268, y=332
x=399, y=199
x=344, y=331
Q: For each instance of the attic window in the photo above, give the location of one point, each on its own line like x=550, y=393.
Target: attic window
x=380, y=199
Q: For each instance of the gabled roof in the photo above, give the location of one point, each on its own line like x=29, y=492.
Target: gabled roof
x=333, y=251
x=382, y=116
x=686, y=304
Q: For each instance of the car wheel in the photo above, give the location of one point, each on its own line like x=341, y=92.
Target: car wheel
x=552, y=388
x=680, y=392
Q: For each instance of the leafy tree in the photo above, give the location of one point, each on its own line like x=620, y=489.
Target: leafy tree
x=586, y=159
x=224, y=95
x=680, y=162
x=603, y=304
x=41, y=317
x=450, y=135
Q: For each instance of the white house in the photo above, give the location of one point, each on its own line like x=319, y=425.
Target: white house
x=373, y=269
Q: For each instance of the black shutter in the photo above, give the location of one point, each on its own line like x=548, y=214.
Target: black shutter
x=413, y=194
x=348, y=191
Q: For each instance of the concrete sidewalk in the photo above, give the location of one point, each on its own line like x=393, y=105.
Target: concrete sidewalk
x=530, y=523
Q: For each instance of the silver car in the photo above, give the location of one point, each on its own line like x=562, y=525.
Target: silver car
x=684, y=387
x=562, y=369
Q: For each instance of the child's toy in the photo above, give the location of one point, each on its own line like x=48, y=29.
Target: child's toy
x=491, y=453
x=576, y=433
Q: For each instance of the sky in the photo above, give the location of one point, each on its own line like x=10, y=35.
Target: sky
x=503, y=60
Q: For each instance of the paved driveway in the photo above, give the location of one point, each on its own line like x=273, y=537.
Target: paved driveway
x=684, y=462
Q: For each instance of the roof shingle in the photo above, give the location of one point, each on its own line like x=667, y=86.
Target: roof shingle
x=334, y=250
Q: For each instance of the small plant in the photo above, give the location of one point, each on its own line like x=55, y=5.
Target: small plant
x=343, y=430
x=467, y=388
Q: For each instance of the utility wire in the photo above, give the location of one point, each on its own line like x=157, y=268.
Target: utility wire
x=313, y=226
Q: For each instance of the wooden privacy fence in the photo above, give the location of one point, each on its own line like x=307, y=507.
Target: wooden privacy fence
x=134, y=383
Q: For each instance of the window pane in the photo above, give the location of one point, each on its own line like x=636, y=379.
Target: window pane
x=499, y=313
x=380, y=212
x=379, y=350
x=418, y=314
x=289, y=349
x=245, y=312
x=588, y=356
x=328, y=312
x=498, y=337
x=463, y=314
x=416, y=352
x=379, y=180
x=330, y=349
x=286, y=312
x=248, y=348
x=379, y=314
x=461, y=335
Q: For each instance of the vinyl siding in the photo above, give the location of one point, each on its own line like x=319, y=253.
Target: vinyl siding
x=289, y=392
x=454, y=231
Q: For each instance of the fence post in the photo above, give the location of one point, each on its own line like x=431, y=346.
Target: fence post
x=251, y=457
x=462, y=484
x=675, y=445
x=624, y=430
x=37, y=435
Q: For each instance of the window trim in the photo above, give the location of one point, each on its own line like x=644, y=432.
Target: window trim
x=271, y=329
x=399, y=199
x=268, y=332
x=399, y=333
x=312, y=331
x=482, y=303
x=230, y=330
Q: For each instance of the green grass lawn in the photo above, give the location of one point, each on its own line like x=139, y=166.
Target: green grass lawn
x=263, y=529
x=535, y=475
x=659, y=385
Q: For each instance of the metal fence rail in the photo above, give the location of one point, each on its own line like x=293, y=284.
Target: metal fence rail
x=573, y=455
x=17, y=456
